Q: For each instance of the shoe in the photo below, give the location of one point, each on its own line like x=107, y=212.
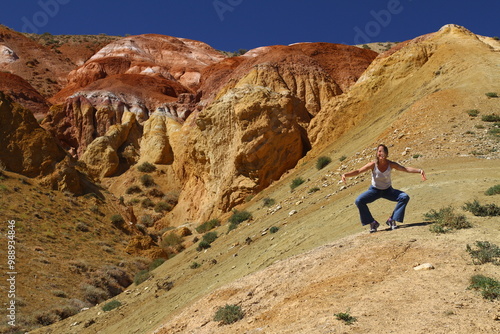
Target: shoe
x=391, y=223
x=373, y=226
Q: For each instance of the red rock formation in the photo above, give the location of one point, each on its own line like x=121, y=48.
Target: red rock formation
x=23, y=93
x=43, y=68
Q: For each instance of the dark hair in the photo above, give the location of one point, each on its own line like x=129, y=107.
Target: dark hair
x=386, y=150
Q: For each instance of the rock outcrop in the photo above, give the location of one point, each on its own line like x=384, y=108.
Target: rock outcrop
x=23, y=93
x=237, y=146
x=44, y=69
x=30, y=150
x=26, y=148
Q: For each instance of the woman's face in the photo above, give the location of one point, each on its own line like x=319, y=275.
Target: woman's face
x=381, y=154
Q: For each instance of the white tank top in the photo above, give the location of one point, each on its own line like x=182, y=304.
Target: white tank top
x=381, y=180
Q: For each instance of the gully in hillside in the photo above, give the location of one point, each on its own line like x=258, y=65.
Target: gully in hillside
x=381, y=187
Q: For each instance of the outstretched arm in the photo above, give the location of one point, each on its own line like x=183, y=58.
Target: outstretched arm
x=397, y=166
x=358, y=171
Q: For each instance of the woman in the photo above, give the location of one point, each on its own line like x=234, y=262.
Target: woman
x=382, y=188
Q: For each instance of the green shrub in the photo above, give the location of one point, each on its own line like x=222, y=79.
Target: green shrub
x=494, y=131
x=313, y=190
x=203, y=245
x=111, y=305
x=240, y=216
x=495, y=190
x=490, y=118
x=209, y=237
x=342, y=158
x=296, y=182
x=147, y=203
x=491, y=94
x=133, y=190
x=195, y=265
x=208, y=225
x=162, y=207
x=156, y=263
x=446, y=220
x=237, y=218
x=141, y=276
x=268, y=201
x=345, y=317
x=274, y=229
x=322, y=162
x=489, y=287
x=486, y=252
x=473, y=112
x=146, y=167
x=487, y=210
x=229, y=314
x=117, y=220
x=147, y=180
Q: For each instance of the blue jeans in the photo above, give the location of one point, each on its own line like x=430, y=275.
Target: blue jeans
x=390, y=194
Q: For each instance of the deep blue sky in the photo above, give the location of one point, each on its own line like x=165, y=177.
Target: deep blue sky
x=231, y=25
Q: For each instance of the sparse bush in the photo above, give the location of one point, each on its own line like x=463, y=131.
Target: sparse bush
x=490, y=118
x=203, y=245
x=141, y=276
x=147, y=180
x=156, y=193
x=489, y=287
x=486, y=252
x=59, y=293
x=346, y=317
x=322, y=162
x=66, y=311
x=133, y=190
x=208, y=225
x=313, y=190
x=46, y=318
x=229, y=314
x=491, y=94
x=296, y=182
x=117, y=220
x=195, y=265
x=172, y=197
x=446, y=220
x=156, y=263
x=487, y=210
x=238, y=217
x=210, y=237
x=94, y=295
x=147, y=203
x=111, y=305
x=342, y=158
x=82, y=227
x=162, y=207
x=268, y=201
x=473, y=112
x=495, y=190
x=416, y=156
x=147, y=220
x=494, y=131
x=146, y=167
x=171, y=240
